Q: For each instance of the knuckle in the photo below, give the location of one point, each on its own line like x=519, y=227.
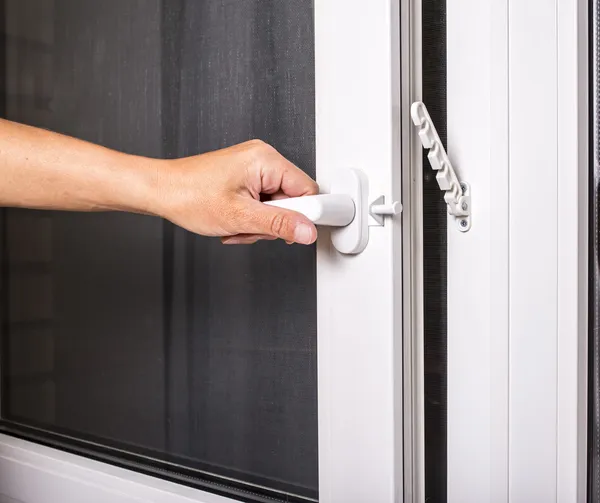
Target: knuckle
x=255, y=143
x=260, y=148
x=279, y=224
x=313, y=187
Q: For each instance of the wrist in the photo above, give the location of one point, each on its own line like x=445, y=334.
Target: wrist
x=139, y=185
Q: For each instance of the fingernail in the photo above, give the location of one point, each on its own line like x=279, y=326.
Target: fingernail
x=303, y=234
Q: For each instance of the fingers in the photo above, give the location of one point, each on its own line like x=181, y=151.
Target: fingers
x=258, y=218
x=278, y=196
x=296, y=183
x=277, y=174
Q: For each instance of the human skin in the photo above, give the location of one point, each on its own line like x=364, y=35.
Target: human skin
x=213, y=194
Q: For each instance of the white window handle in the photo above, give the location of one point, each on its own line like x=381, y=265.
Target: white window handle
x=346, y=210
x=336, y=210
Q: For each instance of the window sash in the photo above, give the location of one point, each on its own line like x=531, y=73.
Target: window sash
x=360, y=345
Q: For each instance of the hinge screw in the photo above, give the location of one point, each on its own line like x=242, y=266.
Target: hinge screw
x=463, y=223
x=465, y=206
x=463, y=187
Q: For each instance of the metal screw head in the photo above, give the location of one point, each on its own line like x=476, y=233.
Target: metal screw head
x=463, y=223
x=464, y=206
x=463, y=187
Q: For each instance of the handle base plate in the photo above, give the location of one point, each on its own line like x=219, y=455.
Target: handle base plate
x=353, y=238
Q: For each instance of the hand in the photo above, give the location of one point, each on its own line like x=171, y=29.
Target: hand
x=219, y=194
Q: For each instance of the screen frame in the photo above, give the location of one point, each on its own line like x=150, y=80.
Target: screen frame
x=360, y=303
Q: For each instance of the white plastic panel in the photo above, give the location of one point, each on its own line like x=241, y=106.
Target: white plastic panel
x=548, y=250
x=516, y=282
x=572, y=317
x=359, y=352
x=31, y=473
x=533, y=250
x=473, y=368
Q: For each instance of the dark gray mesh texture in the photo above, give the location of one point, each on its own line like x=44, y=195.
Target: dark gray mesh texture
x=122, y=329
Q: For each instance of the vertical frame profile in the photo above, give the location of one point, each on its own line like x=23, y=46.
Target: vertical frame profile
x=517, y=127
x=358, y=107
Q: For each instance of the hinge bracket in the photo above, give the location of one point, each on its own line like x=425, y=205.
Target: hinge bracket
x=457, y=195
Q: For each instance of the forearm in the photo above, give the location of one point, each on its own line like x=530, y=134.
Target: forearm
x=41, y=169
x=213, y=194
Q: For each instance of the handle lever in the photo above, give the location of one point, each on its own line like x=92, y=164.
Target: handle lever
x=335, y=210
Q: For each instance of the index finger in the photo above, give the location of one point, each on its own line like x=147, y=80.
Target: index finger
x=280, y=175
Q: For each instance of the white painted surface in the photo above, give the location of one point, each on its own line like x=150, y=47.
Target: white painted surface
x=32, y=473
x=474, y=56
x=517, y=129
x=498, y=191
x=533, y=250
x=358, y=125
x=572, y=181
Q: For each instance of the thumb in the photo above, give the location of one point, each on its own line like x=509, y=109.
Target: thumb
x=280, y=223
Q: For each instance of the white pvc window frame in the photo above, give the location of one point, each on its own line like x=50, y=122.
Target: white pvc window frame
x=360, y=345
x=517, y=281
